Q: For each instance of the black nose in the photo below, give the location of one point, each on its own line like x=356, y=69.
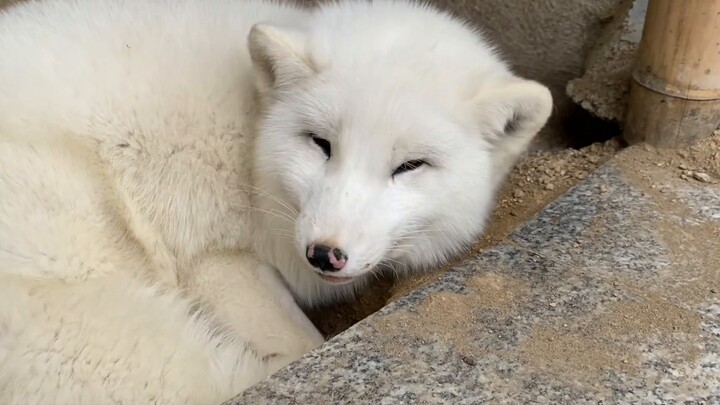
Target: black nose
x=326, y=258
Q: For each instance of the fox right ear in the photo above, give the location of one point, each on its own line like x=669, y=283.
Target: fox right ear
x=278, y=55
x=513, y=112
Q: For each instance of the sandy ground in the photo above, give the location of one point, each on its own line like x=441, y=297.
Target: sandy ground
x=538, y=179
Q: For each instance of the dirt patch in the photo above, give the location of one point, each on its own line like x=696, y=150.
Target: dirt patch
x=443, y=315
x=583, y=354
x=693, y=241
x=538, y=179
x=578, y=357
x=660, y=315
x=611, y=341
x=451, y=317
x=647, y=316
x=498, y=292
x=691, y=163
x=663, y=313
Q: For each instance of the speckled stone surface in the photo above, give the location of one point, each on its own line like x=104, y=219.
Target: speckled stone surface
x=610, y=295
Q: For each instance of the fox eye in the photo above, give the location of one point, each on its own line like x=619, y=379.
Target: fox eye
x=410, y=165
x=322, y=143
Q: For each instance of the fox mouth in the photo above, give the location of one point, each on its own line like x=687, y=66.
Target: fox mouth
x=336, y=280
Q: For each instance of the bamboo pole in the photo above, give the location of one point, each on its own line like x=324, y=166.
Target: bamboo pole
x=675, y=95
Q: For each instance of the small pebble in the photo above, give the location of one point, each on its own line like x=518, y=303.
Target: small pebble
x=469, y=360
x=703, y=177
x=713, y=291
x=519, y=193
x=550, y=186
x=553, y=304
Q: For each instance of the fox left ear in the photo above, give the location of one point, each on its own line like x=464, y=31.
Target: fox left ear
x=278, y=55
x=511, y=114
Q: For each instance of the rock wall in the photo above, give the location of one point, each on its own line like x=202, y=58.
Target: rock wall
x=603, y=88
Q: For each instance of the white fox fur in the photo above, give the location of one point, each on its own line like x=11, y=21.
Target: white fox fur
x=161, y=179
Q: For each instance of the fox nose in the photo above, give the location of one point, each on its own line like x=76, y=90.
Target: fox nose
x=326, y=258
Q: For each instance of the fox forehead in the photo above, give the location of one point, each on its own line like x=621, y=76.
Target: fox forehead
x=372, y=121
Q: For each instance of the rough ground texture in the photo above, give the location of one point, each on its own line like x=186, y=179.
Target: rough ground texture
x=611, y=294
x=538, y=179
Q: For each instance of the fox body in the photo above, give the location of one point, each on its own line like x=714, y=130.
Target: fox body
x=178, y=178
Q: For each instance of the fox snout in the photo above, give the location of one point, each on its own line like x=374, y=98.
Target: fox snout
x=326, y=258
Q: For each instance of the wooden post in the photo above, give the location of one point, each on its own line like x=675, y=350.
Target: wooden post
x=675, y=95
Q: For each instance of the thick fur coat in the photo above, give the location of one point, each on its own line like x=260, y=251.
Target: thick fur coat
x=168, y=169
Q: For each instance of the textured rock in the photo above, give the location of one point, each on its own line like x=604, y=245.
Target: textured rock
x=603, y=88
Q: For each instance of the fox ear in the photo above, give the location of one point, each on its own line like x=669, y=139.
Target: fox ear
x=511, y=114
x=278, y=55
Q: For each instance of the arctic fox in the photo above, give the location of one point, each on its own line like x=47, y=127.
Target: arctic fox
x=179, y=177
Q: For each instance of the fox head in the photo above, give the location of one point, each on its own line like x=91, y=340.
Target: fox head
x=387, y=129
